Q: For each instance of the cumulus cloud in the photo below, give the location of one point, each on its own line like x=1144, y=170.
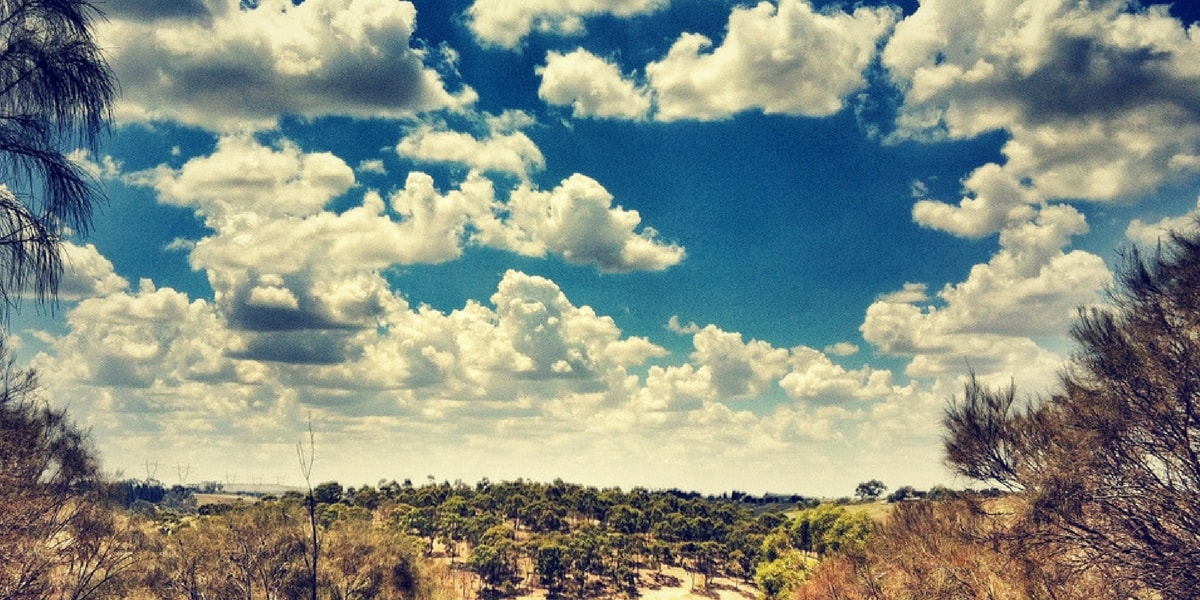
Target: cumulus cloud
x=505, y=23
x=106, y=167
x=1098, y=101
x=578, y=221
x=87, y=273
x=158, y=11
x=1149, y=235
x=527, y=371
x=995, y=200
x=263, y=202
x=504, y=152
x=737, y=369
x=591, y=86
x=724, y=367
x=137, y=339
x=243, y=177
x=280, y=261
x=222, y=65
x=784, y=58
x=812, y=374
x=1030, y=287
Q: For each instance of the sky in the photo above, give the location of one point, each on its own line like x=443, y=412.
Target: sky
x=700, y=244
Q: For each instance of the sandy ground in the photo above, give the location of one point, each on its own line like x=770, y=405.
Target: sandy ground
x=677, y=586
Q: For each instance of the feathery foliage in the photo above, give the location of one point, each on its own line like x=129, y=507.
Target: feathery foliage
x=56, y=93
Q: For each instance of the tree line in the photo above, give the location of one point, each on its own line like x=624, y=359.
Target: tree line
x=398, y=540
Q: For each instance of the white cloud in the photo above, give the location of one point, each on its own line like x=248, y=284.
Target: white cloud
x=224, y=67
x=813, y=375
x=1030, y=288
x=591, y=86
x=505, y=23
x=156, y=374
x=578, y=221
x=785, y=58
x=266, y=206
x=737, y=369
x=273, y=297
x=674, y=325
x=1149, y=235
x=137, y=340
x=243, y=177
x=995, y=200
x=1096, y=100
x=373, y=165
x=87, y=273
x=107, y=167
x=435, y=224
x=911, y=293
x=504, y=152
x=280, y=263
x=841, y=349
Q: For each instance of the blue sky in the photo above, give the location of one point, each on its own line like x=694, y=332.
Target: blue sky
x=699, y=244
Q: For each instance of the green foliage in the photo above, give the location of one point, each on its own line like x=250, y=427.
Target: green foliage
x=551, y=565
x=870, y=490
x=329, y=492
x=950, y=550
x=258, y=551
x=902, y=493
x=496, y=566
x=829, y=528
x=778, y=578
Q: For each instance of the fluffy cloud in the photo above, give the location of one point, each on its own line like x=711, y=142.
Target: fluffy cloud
x=501, y=151
x=153, y=336
x=221, y=65
x=785, y=58
x=1150, y=235
x=812, y=375
x=279, y=261
x=995, y=200
x=578, y=221
x=737, y=369
x=1030, y=287
x=1096, y=99
x=87, y=273
x=244, y=177
x=505, y=23
x=591, y=86
x=526, y=372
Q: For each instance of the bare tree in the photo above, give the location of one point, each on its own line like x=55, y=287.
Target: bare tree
x=306, y=465
x=57, y=540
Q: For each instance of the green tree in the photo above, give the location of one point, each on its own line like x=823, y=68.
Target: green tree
x=329, y=492
x=870, y=490
x=56, y=91
x=778, y=578
x=551, y=567
x=1108, y=468
x=496, y=566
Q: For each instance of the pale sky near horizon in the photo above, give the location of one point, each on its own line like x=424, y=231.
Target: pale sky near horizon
x=702, y=244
